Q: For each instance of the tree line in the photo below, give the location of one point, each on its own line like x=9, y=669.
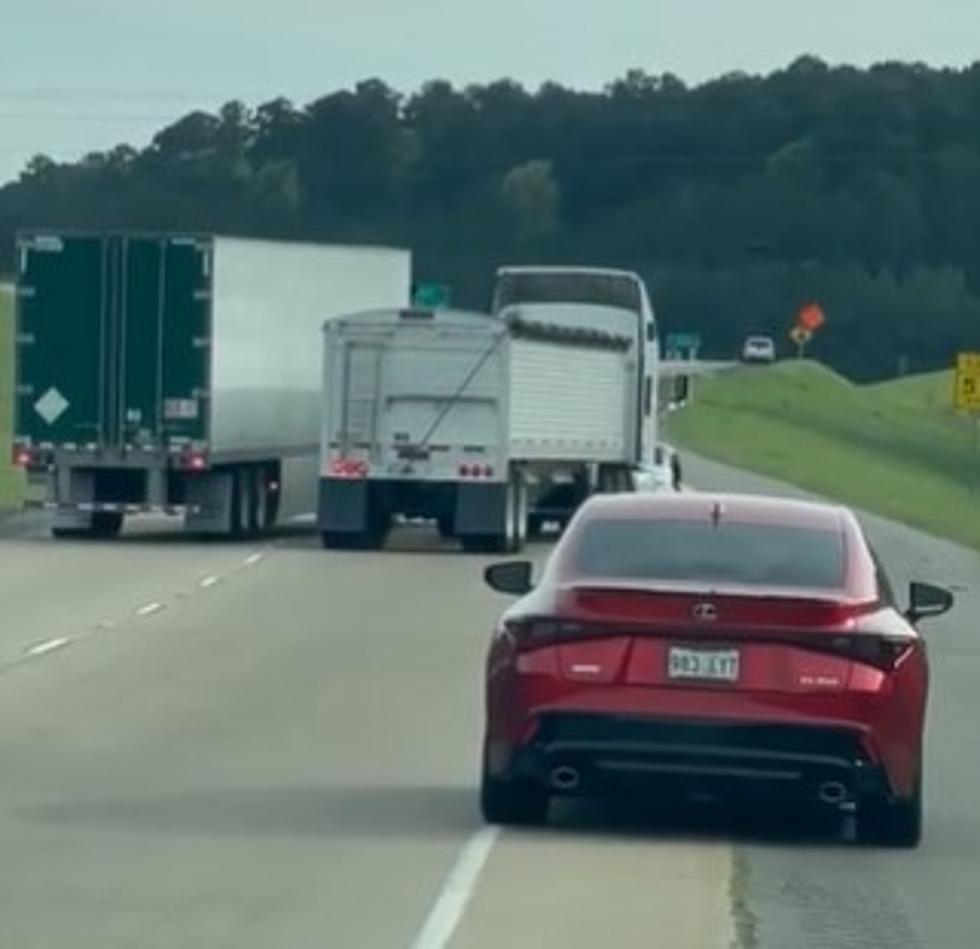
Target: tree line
x=738, y=199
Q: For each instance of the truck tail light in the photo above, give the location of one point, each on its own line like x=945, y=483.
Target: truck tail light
x=476, y=471
x=193, y=461
x=23, y=456
x=349, y=468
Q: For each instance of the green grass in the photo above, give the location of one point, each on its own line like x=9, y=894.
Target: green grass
x=11, y=482
x=932, y=391
x=896, y=449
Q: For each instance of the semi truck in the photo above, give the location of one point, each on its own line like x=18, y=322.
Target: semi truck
x=490, y=424
x=179, y=373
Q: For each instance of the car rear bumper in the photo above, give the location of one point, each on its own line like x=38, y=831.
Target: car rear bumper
x=584, y=753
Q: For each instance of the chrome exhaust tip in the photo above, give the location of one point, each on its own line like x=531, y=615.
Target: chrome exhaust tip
x=832, y=792
x=565, y=778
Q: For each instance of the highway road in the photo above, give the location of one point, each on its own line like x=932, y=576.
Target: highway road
x=265, y=745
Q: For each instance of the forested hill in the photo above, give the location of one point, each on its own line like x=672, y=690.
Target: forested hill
x=739, y=199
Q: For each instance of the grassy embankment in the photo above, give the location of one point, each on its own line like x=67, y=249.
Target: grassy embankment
x=896, y=448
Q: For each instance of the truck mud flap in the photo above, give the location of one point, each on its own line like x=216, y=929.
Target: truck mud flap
x=481, y=510
x=343, y=506
x=209, y=503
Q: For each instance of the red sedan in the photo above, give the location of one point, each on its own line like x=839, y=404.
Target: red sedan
x=715, y=644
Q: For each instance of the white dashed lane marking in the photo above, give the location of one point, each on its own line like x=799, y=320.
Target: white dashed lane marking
x=148, y=609
x=51, y=645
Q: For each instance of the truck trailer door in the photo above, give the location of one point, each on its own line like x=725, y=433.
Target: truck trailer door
x=62, y=335
x=165, y=332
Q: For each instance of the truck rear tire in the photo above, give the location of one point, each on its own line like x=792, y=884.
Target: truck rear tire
x=107, y=524
x=103, y=525
x=370, y=537
x=483, y=544
x=614, y=479
x=264, y=502
x=240, y=515
x=522, y=513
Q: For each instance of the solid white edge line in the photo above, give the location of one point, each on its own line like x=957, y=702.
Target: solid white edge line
x=149, y=609
x=253, y=560
x=42, y=649
x=208, y=582
x=447, y=911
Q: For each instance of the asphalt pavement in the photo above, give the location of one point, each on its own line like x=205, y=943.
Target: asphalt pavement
x=266, y=745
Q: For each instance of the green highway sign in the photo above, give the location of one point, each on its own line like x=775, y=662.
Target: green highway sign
x=432, y=296
x=683, y=341
x=682, y=345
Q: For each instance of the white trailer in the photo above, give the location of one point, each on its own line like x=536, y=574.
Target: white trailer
x=489, y=424
x=181, y=373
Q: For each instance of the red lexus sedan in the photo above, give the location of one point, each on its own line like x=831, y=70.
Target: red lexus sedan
x=710, y=643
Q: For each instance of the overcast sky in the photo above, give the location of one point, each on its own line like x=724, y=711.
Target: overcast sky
x=80, y=75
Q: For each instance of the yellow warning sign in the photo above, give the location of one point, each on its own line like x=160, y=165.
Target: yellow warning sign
x=966, y=390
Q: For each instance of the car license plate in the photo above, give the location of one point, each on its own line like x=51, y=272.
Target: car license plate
x=714, y=665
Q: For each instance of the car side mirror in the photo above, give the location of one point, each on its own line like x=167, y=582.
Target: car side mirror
x=513, y=577
x=926, y=600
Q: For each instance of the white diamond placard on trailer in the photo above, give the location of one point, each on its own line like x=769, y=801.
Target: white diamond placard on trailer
x=51, y=406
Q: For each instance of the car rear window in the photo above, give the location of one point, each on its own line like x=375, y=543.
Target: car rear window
x=753, y=554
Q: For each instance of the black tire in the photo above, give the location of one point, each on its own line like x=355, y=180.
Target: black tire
x=520, y=513
x=513, y=803
x=895, y=823
x=484, y=544
x=255, y=509
x=264, y=503
x=106, y=524
x=272, y=508
x=72, y=533
x=535, y=526
x=371, y=539
x=240, y=513
x=331, y=540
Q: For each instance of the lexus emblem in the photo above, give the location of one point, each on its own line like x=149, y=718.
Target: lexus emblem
x=705, y=612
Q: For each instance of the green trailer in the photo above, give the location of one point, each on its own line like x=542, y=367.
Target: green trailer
x=179, y=374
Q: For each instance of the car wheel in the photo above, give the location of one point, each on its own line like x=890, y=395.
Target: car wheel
x=892, y=823
x=514, y=803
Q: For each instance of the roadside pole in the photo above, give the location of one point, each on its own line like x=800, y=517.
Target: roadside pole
x=801, y=337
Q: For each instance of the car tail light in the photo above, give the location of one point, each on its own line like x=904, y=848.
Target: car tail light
x=543, y=631
x=349, y=468
x=883, y=652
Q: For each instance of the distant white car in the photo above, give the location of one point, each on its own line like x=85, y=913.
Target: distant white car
x=663, y=475
x=759, y=349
